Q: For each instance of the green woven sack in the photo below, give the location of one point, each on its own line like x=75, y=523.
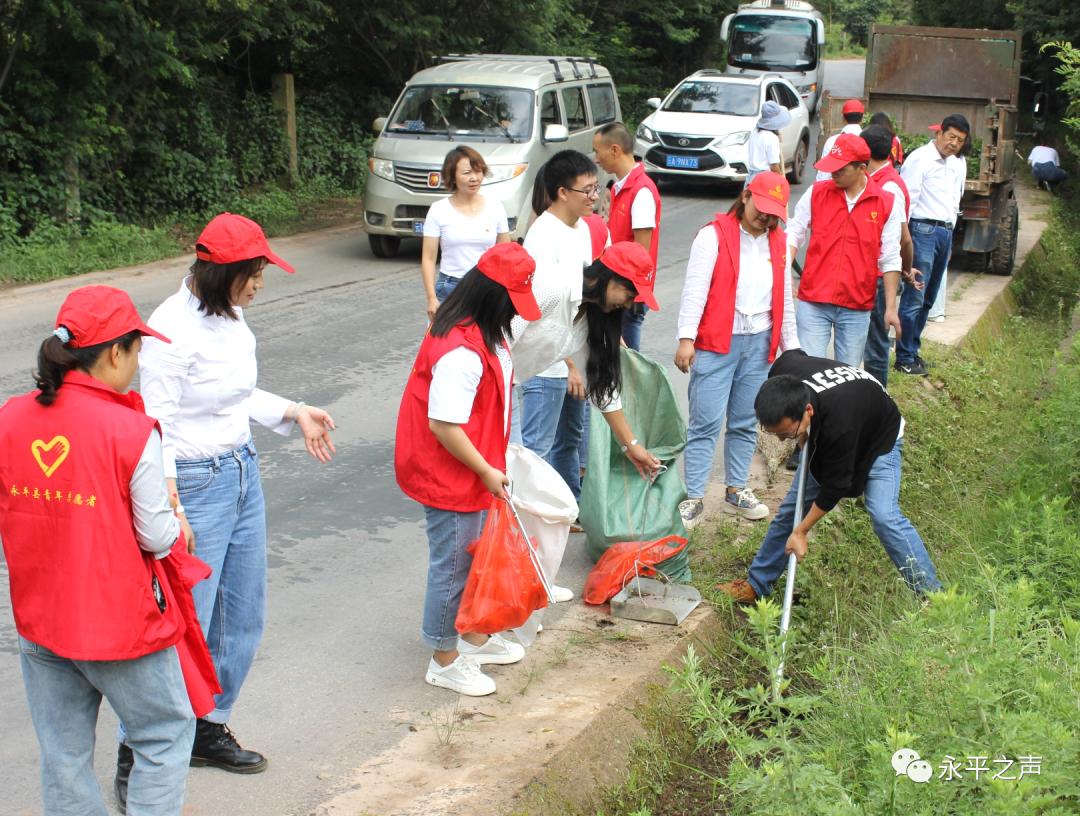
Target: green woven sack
x=616, y=503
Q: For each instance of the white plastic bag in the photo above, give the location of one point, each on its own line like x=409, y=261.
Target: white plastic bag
x=546, y=507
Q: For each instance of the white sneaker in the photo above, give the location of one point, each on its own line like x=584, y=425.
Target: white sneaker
x=497, y=650
x=561, y=594
x=692, y=511
x=463, y=676
x=744, y=503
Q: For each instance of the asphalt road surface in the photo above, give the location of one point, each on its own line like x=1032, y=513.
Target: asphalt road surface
x=347, y=551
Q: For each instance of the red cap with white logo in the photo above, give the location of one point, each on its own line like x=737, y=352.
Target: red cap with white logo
x=846, y=149
x=510, y=266
x=633, y=262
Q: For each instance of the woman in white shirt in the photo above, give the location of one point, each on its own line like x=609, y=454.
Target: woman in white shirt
x=736, y=311
x=763, y=151
x=463, y=225
x=201, y=389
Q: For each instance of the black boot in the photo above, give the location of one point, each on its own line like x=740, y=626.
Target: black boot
x=215, y=745
x=125, y=761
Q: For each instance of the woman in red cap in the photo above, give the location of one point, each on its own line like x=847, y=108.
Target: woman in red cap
x=202, y=389
x=85, y=519
x=450, y=454
x=736, y=311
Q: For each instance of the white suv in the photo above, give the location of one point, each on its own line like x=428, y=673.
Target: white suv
x=701, y=128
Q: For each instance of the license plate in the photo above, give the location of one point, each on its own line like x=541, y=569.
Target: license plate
x=418, y=227
x=682, y=162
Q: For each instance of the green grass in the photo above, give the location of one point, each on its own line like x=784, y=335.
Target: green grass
x=991, y=668
x=57, y=250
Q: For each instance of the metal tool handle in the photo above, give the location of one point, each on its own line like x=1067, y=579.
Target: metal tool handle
x=534, y=556
x=793, y=562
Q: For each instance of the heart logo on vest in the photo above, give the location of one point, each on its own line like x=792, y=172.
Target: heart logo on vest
x=39, y=447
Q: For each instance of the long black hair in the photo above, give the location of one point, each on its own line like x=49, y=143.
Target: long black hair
x=603, y=370
x=56, y=359
x=476, y=300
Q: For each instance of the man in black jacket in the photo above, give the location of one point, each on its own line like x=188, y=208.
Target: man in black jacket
x=855, y=433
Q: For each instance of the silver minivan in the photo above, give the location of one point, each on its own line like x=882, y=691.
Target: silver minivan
x=516, y=111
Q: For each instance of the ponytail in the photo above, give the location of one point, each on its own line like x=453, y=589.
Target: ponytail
x=56, y=359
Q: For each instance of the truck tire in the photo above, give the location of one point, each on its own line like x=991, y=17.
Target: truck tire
x=384, y=246
x=798, y=161
x=1003, y=255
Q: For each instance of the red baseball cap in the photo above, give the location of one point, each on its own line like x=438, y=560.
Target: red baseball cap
x=631, y=260
x=853, y=106
x=846, y=149
x=98, y=314
x=771, y=193
x=510, y=266
x=229, y=238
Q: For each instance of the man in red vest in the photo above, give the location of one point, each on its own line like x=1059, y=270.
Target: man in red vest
x=635, y=208
x=854, y=239
x=881, y=169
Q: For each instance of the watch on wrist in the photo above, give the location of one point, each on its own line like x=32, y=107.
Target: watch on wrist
x=179, y=510
x=629, y=445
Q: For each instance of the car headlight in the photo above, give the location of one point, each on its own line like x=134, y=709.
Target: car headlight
x=732, y=139
x=807, y=89
x=383, y=168
x=504, y=172
x=646, y=133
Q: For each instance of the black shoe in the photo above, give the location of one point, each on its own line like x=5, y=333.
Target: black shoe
x=125, y=761
x=216, y=746
x=914, y=367
x=792, y=462
x=922, y=362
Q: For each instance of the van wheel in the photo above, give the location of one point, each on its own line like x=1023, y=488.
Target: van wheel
x=798, y=161
x=1003, y=255
x=384, y=246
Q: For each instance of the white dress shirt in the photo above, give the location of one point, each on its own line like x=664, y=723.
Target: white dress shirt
x=935, y=183
x=753, y=291
x=888, y=259
x=642, y=208
x=156, y=525
x=201, y=387
x=854, y=130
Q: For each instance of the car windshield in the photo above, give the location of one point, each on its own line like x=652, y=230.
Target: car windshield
x=461, y=112
x=734, y=98
x=773, y=42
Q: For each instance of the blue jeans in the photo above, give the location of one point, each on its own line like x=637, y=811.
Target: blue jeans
x=565, y=454
x=541, y=407
x=148, y=693
x=816, y=324
x=876, y=351
x=724, y=387
x=631, y=325
x=444, y=285
x=933, y=246
x=449, y=533
x=896, y=534
x=223, y=499
x=1048, y=172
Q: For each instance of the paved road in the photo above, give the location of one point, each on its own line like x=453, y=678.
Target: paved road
x=342, y=657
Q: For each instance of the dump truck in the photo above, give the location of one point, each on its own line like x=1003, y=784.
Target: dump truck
x=919, y=75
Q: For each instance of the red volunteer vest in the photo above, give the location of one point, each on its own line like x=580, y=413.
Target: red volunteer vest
x=841, y=261
x=717, y=321
x=80, y=584
x=598, y=233
x=426, y=471
x=620, y=224
x=888, y=172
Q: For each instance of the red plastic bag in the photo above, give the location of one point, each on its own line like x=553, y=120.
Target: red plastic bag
x=615, y=569
x=503, y=587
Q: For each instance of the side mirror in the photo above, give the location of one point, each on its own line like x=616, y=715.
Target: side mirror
x=653, y=102
x=724, y=26
x=556, y=133
x=820, y=25
x=379, y=124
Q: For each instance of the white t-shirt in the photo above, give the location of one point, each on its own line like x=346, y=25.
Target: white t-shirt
x=464, y=238
x=642, y=208
x=762, y=151
x=1042, y=153
x=455, y=379
x=561, y=254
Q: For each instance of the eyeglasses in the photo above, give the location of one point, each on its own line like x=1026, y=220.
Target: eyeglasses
x=793, y=434
x=592, y=191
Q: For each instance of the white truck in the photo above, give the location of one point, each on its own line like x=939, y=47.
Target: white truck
x=785, y=37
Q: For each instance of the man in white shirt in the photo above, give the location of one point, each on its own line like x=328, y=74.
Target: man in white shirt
x=1046, y=166
x=934, y=175
x=853, y=112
